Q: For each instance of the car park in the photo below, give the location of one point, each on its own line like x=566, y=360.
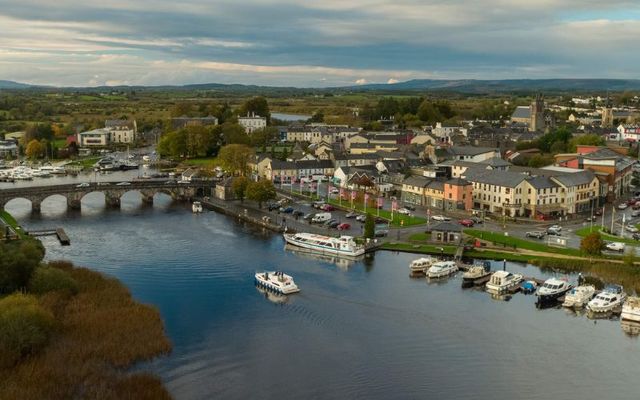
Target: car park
x=635, y=213
x=344, y=226
x=615, y=246
x=321, y=218
x=318, y=204
x=440, y=218
x=308, y=217
x=535, y=234
x=287, y=210
x=272, y=206
x=476, y=220
x=466, y=222
x=329, y=222
x=298, y=213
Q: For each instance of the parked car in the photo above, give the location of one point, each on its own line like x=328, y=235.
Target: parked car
x=466, y=222
x=636, y=206
x=361, y=218
x=636, y=236
x=631, y=202
x=287, y=210
x=631, y=228
x=321, y=217
x=635, y=213
x=440, y=218
x=535, y=234
x=615, y=246
x=272, y=206
x=351, y=214
x=334, y=224
x=554, y=230
x=410, y=207
x=327, y=207
x=344, y=226
x=404, y=210
x=83, y=184
x=318, y=204
x=622, y=206
x=381, y=233
x=329, y=222
x=298, y=213
x=308, y=217
x=104, y=183
x=476, y=220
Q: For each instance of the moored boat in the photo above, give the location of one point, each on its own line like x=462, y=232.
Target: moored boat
x=342, y=246
x=579, y=296
x=528, y=287
x=477, y=275
x=610, y=299
x=196, y=207
x=551, y=290
x=503, y=282
x=277, y=281
x=631, y=309
x=421, y=265
x=441, y=269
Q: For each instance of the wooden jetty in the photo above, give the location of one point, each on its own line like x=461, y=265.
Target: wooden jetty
x=59, y=233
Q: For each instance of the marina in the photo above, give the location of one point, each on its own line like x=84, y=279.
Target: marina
x=342, y=298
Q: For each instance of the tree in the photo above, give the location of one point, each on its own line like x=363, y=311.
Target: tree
x=34, y=149
x=538, y=161
x=592, y=244
x=234, y=133
x=17, y=263
x=629, y=259
x=235, y=158
x=239, y=187
x=257, y=105
x=369, y=227
x=261, y=191
x=590, y=140
x=318, y=116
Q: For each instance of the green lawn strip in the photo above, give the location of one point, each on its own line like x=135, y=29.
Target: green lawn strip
x=513, y=242
x=582, y=232
x=417, y=248
x=398, y=219
x=9, y=220
x=420, y=237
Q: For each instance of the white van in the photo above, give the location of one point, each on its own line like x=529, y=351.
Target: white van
x=321, y=217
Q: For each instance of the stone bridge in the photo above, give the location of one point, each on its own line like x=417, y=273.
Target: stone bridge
x=113, y=191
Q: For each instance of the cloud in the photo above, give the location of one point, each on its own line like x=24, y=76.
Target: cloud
x=361, y=81
x=391, y=81
x=333, y=42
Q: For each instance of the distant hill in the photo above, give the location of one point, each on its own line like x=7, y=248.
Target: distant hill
x=13, y=85
x=508, y=85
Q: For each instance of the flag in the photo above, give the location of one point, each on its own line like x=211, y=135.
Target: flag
x=341, y=193
x=380, y=202
x=394, y=205
x=353, y=195
x=366, y=197
x=329, y=187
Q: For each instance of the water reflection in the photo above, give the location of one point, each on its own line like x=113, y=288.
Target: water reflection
x=273, y=297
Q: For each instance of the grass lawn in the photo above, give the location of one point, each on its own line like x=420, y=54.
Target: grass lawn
x=398, y=219
x=420, y=237
x=200, y=162
x=512, y=242
x=605, y=236
x=416, y=248
x=9, y=220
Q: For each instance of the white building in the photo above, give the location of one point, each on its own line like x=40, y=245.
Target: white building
x=8, y=148
x=95, y=138
x=121, y=131
x=252, y=122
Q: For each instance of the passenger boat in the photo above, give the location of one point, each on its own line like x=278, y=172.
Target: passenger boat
x=631, y=309
x=503, y=282
x=342, y=246
x=196, y=207
x=579, y=296
x=551, y=290
x=608, y=300
x=477, y=275
x=441, y=269
x=421, y=265
x=277, y=281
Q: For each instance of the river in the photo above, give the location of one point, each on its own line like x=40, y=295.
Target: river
x=359, y=331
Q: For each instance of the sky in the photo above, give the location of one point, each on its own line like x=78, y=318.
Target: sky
x=318, y=43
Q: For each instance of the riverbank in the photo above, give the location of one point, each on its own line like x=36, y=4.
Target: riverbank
x=75, y=335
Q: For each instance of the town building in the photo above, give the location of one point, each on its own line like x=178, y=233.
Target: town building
x=8, y=148
x=252, y=122
x=94, y=138
x=121, y=131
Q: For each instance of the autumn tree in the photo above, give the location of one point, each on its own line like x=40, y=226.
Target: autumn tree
x=235, y=158
x=592, y=244
x=261, y=191
x=257, y=105
x=34, y=149
x=239, y=187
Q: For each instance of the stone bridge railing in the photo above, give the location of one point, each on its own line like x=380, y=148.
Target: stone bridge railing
x=113, y=191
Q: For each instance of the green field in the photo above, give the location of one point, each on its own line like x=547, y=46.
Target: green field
x=517, y=243
x=605, y=236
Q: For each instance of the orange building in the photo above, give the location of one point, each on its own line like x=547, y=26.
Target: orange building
x=458, y=194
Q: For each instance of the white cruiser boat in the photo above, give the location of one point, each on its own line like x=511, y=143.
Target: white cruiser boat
x=196, y=207
x=551, y=290
x=503, y=282
x=277, y=281
x=608, y=300
x=421, y=265
x=342, y=246
x=631, y=309
x=579, y=296
x=441, y=269
x=477, y=275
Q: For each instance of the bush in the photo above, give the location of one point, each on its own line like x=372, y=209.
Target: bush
x=592, y=244
x=49, y=279
x=369, y=227
x=25, y=327
x=17, y=263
